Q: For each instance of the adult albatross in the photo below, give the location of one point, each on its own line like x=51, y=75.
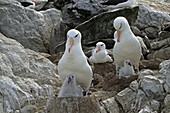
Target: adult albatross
x=74, y=61
x=127, y=45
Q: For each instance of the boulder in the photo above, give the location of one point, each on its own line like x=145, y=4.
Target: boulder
x=31, y=28
x=151, y=22
x=167, y=101
x=165, y=71
x=152, y=87
x=167, y=104
x=110, y=105
x=78, y=11
x=126, y=98
x=26, y=77
x=73, y=105
x=101, y=26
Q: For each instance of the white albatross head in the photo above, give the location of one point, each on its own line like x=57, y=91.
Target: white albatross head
x=73, y=38
x=120, y=24
x=127, y=63
x=100, y=46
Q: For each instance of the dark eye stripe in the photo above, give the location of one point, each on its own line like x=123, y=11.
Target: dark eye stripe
x=120, y=26
x=76, y=35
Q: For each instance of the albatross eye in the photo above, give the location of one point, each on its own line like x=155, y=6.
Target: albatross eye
x=76, y=35
x=120, y=26
x=102, y=45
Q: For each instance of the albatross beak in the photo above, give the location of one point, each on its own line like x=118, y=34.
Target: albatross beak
x=118, y=35
x=97, y=50
x=71, y=41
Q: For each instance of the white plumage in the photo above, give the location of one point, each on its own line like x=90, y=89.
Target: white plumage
x=69, y=88
x=99, y=54
x=127, y=69
x=74, y=61
x=127, y=45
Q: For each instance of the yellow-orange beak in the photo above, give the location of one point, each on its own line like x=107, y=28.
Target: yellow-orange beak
x=97, y=49
x=118, y=35
x=71, y=41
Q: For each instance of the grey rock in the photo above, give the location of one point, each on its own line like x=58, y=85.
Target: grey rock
x=101, y=26
x=31, y=28
x=134, y=85
x=165, y=71
x=146, y=109
x=140, y=101
x=60, y=3
x=167, y=101
x=163, y=35
x=166, y=110
x=160, y=44
x=79, y=11
x=163, y=54
x=150, y=21
x=167, y=85
x=73, y=105
x=165, y=67
x=152, y=87
x=154, y=105
x=29, y=109
x=111, y=105
x=25, y=76
x=126, y=98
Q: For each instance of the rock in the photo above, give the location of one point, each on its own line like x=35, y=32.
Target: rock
x=154, y=105
x=126, y=98
x=165, y=70
x=29, y=109
x=101, y=26
x=110, y=105
x=167, y=101
x=165, y=67
x=25, y=76
x=150, y=21
x=150, y=64
x=167, y=85
x=146, y=109
x=163, y=35
x=160, y=44
x=152, y=87
x=73, y=105
x=104, y=68
x=111, y=82
x=31, y=28
x=166, y=110
x=140, y=100
x=163, y=54
x=98, y=27
x=58, y=29
x=60, y=3
x=79, y=11
x=134, y=85
x=166, y=27
x=151, y=107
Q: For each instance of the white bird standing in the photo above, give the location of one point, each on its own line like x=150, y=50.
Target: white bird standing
x=74, y=61
x=99, y=54
x=127, y=69
x=127, y=45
